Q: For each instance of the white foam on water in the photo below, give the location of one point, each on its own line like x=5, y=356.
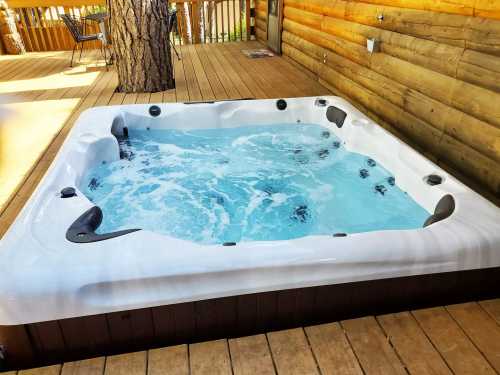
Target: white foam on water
x=255, y=183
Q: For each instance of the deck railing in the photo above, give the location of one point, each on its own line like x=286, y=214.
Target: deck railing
x=41, y=27
x=212, y=21
x=199, y=21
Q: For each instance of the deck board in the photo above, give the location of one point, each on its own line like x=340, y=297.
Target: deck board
x=251, y=355
x=217, y=88
x=291, y=352
x=211, y=357
x=93, y=366
x=461, y=339
x=372, y=348
x=127, y=364
x=332, y=350
x=412, y=345
x=492, y=307
x=47, y=370
x=200, y=74
x=480, y=328
x=449, y=338
x=172, y=360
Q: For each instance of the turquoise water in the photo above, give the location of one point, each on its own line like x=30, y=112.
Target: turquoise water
x=247, y=184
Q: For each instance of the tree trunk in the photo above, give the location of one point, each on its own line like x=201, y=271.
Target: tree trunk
x=12, y=41
x=139, y=31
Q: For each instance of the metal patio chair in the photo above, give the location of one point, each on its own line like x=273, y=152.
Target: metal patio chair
x=76, y=27
x=173, y=29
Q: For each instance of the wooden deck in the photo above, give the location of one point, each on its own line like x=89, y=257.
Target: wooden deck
x=457, y=339
x=460, y=339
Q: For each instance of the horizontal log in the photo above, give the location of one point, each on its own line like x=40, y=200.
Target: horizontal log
x=261, y=5
x=480, y=69
x=463, y=31
x=475, y=133
x=261, y=15
x=471, y=66
x=261, y=24
x=471, y=99
x=463, y=7
x=260, y=34
x=487, y=9
x=444, y=147
x=477, y=8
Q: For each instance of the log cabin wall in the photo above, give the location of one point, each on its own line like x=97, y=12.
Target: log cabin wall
x=261, y=20
x=435, y=82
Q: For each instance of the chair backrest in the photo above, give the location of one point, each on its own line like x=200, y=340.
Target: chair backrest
x=74, y=26
x=172, y=22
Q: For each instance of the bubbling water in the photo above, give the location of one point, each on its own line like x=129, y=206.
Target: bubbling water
x=255, y=183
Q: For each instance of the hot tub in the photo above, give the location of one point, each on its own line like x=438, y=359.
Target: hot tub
x=73, y=271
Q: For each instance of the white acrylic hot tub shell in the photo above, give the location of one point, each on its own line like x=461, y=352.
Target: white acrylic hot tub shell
x=46, y=277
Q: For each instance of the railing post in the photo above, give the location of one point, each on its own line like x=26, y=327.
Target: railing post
x=251, y=17
x=10, y=36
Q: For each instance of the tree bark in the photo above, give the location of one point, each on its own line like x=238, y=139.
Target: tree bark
x=11, y=40
x=139, y=31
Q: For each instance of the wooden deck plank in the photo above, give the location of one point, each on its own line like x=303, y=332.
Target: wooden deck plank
x=243, y=90
x=127, y=364
x=172, y=360
x=231, y=90
x=191, y=80
x=181, y=89
x=211, y=357
x=201, y=75
x=40, y=71
x=47, y=370
x=9, y=68
x=492, y=307
x=266, y=83
x=291, y=352
x=169, y=96
x=234, y=54
x=17, y=66
x=108, y=92
x=332, y=350
x=117, y=98
x=217, y=88
x=130, y=98
x=93, y=366
x=449, y=339
x=143, y=98
x=372, y=348
x=58, y=73
x=265, y=67
x=412, y=345
x=480, y=328
x=304, y=84
x=156, y=97
x=250, y=355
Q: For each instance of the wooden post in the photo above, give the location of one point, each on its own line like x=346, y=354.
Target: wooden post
x=196, y=21
x=11, y=40
x=252, y=19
